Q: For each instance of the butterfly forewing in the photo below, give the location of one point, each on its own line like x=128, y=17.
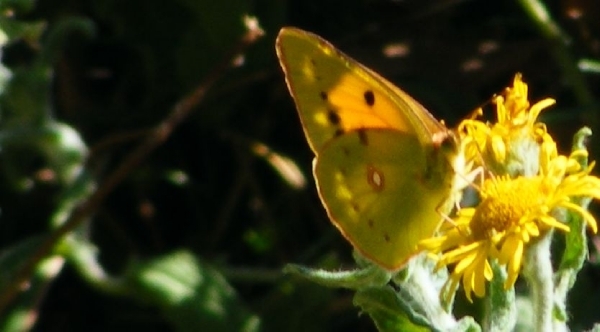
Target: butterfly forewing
x=335, y=94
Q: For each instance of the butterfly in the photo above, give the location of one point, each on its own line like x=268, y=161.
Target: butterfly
x=385, y=168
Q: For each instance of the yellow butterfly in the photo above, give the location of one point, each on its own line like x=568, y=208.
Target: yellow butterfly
x=384, y=166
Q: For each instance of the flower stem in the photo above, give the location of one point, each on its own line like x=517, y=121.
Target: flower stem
x=423, y=287
x=538, y=271
x=500, y=311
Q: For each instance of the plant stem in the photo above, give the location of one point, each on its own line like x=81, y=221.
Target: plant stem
x=537, y=268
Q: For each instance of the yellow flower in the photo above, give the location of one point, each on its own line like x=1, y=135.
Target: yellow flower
x=512, y=144
x=527, y=186
x=512, y=213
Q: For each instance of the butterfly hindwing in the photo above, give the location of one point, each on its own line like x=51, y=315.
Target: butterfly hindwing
x=376, y=189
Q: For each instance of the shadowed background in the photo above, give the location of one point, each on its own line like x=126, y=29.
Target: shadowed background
x=229, y=199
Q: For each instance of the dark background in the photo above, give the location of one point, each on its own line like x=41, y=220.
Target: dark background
x=113, y=69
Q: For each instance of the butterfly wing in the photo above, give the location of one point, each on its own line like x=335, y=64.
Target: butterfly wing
x=335, y=94
x=381, y=169
x=380, y=193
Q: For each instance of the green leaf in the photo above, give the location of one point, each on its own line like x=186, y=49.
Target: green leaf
x=388, y=311
x=353, y=279
x=12, y=257
x=23, y=312
x=575, y=252
x=193, y=296
x=59, y=146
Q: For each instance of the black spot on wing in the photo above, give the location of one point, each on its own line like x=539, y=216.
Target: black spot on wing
x=323, y=95
x=386, y=237
x=369, y=97
x=339, y=132
x=362, y=137
x=313, y=62
x=333, y=117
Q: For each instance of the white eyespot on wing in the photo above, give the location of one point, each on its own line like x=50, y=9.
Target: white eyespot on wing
x=375, y=178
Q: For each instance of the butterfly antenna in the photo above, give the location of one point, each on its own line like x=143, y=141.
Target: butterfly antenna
x=445, y=219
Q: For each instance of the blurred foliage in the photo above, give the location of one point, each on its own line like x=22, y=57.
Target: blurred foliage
x=196, y=236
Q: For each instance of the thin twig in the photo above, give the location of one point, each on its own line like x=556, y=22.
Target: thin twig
x=160, y=134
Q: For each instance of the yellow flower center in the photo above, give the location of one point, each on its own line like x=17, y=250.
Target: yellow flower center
x=504, y=202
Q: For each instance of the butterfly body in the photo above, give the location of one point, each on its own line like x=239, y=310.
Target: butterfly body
x=384, y=166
